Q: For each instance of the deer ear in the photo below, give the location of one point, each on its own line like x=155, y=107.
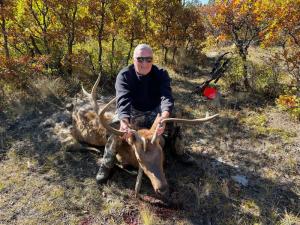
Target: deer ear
x=138, y=142
x=134, y=138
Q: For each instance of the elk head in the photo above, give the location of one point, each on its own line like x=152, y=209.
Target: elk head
x=149, y=154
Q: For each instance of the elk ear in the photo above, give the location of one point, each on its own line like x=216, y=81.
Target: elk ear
x=132, y=139
x=137, y=141
x=155, y=123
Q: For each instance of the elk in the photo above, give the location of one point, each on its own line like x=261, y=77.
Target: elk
x=143, y=149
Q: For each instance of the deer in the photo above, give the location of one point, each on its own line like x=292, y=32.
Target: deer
x=142, y=150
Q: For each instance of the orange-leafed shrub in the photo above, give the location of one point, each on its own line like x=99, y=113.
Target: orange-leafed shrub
x=289, y=103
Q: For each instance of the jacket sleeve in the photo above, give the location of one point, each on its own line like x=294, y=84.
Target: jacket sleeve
x=123, y=97
x=167, y=101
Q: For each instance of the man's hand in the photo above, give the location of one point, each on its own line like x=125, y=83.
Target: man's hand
x=161, y=127
x=125, y=126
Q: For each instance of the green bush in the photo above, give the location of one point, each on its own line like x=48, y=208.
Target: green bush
x=234, y=74
x=263, y=79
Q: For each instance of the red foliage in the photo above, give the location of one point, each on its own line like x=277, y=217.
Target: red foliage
x=19, y=70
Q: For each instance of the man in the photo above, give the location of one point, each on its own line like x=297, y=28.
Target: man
x=143, y=90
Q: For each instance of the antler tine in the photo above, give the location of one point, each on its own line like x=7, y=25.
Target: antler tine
x=156, y=128
x=154, y=135
x=104, y=122
x=93, y=95
x=187, y=121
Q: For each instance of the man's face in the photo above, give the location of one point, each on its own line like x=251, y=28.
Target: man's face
x=143, y=61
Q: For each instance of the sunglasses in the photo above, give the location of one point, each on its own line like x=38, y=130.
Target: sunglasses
x=144, y=59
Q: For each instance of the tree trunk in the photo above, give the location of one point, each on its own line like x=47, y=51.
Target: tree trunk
x=243, y=52
x=69, y=57
x=100, y=50
x=71, y=39
x=45, y=34
x=298, y=82
x=245, y=73
x=130, y=48
x=112, y=53
x=166, y=55
x=5, y=37
x=35, y=47
x=45, y=28
x=174, y=53
x=100, y=35
x=146, y=17
x=29, y=49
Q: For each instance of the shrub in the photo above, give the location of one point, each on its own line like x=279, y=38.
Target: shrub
x=290, y=102
x=234, y=74
x=17, y=71
x=263, y=78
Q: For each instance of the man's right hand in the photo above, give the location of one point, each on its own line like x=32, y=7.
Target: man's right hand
x=125, y=126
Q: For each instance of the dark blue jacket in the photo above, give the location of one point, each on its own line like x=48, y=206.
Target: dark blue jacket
x=143, y=93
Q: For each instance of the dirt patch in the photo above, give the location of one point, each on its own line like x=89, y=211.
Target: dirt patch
x=282, y=120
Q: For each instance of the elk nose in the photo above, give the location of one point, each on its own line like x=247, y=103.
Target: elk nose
x=163, y=191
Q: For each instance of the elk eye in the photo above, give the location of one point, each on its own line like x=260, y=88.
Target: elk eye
x=133, y=138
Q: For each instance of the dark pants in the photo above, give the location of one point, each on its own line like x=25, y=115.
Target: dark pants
x=138, y=120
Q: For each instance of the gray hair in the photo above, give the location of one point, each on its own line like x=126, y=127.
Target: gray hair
x=141, y=47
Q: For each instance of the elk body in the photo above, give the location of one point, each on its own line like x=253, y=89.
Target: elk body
x=144, y=148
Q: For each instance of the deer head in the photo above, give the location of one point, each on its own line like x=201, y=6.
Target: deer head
x=148, y=154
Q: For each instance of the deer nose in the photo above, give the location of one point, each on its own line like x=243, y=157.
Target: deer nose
x=163, y=191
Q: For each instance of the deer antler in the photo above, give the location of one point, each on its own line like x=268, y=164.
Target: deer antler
x=187, y=121
x=92, y=96
x=179, y=120
x=104, y=122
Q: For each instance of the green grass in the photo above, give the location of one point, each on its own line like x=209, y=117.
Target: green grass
x=259, y=123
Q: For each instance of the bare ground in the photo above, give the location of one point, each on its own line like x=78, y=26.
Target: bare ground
x=247, y=170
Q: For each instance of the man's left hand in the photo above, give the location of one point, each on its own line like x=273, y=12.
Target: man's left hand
x=161, y=127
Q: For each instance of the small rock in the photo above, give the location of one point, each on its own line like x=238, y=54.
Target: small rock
x=69, y=106
x=220, y=160
x=202, y=141
x=240, y=179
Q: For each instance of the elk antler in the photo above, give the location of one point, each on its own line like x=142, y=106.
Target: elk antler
x=187, y=121
x=179, y=120
x=104, y=122
x=92, y=96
